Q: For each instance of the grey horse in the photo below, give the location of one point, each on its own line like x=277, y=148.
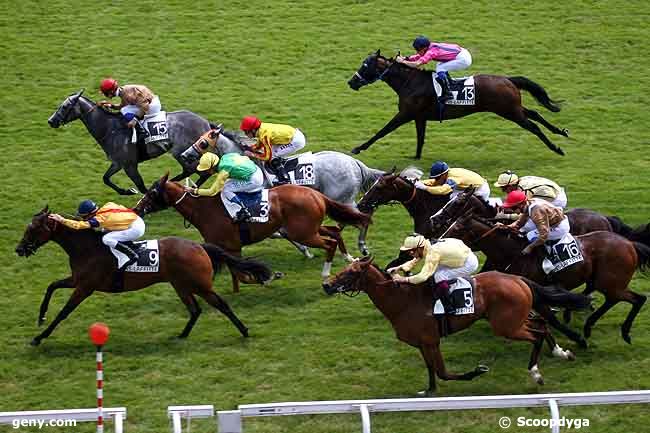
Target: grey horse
x=114, y=137
x=337, y=175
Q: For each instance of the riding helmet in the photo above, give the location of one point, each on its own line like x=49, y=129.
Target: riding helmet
x=438, y=169
x=412, y=242
x=514, y=198
x=421, y=42
x=249, y=123
x=86, y=207
x=207, y=161
x=108, y=85
x=507, y=178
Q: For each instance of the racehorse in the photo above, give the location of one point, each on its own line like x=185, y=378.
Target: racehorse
x=504, y=300
x=298, y=210
x=188, y=266
x=418, y=102
x=609, y=264
x=111, y=133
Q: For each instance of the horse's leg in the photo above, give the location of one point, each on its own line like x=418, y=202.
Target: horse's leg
x=133, y=173
x=76, y=298
x=300, y=247
x=420, y=129
x=335, y=233
x=398, y=120
x=217, y=302
x=533, y=363
x=363, y=248
x=58, y=284
x=528, y=125
x=187, y=172
x=114, y=168
x=593, y=318
x=235, y=281
x=429, y=360
x=192, y=306
x=442, y=371
x=325, y=243
x=534, y=115
x=548, y=315
x=637, y=302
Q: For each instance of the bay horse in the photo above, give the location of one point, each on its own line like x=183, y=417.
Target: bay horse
x=610, y=262
x=505, y=301
x=418, y=102
x=187, y=265
x=298, y=210
x=110, y=131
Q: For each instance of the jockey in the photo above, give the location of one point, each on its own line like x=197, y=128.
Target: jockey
x=444, y=260
x=534, y=187
x=273, y=141
x=444, y=180
x=539, y=220
x=450, y=57
x=236, y=173
x=121, y=223
x=136, y=100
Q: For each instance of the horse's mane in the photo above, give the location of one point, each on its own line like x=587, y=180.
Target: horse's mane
x=116, y=114
x=411, y=172
x=381, y=271
x=505, y=233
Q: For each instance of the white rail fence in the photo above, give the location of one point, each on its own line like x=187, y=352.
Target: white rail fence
x=115, y=414
x=230, y=421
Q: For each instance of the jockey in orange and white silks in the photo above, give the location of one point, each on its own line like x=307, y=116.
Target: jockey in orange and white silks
x=121, y=224
x=136, y=100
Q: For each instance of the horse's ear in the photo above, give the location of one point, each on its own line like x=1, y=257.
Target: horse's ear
x=393, y=170
x=163, y=180
x=366, y=260
x=378, y=53
x=46, y=209
x=80, y=92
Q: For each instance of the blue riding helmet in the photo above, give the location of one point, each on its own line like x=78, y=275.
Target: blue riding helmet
x=438, y=169
x=421, y=42
x=86, y=207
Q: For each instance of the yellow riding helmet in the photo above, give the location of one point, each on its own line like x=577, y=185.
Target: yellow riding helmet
x=412, y=242
x=507, y=178
x=207, y=161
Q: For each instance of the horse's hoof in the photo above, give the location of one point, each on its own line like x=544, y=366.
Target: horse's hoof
x=426, y=393
x=559, y=151
x=587, y=331
x=244, y=332
x=356, y=150
x=278, y=275
x=35, y=342
x=582, y=343
x=627, y=338
x=540, y=381
x=570, y=356
x=41, y=321
x=565, y=132
x=482, y=369
x=364, y=252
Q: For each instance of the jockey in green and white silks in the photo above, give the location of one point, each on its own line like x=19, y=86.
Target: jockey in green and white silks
x=235, y=173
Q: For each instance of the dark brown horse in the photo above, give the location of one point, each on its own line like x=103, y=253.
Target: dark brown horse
x=188, y=266
x=417, y=100
x=299, y=211
x=610, y=262
x=504, y=300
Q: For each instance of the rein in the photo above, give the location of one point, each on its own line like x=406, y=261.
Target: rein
x=415, y=190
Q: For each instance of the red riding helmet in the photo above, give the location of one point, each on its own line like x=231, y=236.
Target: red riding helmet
x=249, y=123
x=108, y=85
x=514, y=198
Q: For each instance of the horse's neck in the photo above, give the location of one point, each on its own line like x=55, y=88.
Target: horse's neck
x=226, y=145
x=99, y=123
x=421, y=208
x=201, y=212
x=500, y=248
x=390, y=300
x=76, y=243
x=404, y=79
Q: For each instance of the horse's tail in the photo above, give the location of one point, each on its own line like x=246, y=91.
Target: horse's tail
x=643, y=253
x=640, y=234
x=255, y=268
x=537, y=91
x=556, y=296
x=345, y=214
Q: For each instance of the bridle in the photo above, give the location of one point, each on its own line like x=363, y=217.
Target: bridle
x=30, y=246
x=365, y=81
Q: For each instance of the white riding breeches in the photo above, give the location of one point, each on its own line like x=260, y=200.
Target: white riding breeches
x=462, y=61
x=297, y=142
x=446, y=273
x=134, y=232
x=482, y=191
x=555, y=234
x=232, y=186
x=154, y=107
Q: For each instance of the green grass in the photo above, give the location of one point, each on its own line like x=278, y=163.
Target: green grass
x=289, y=62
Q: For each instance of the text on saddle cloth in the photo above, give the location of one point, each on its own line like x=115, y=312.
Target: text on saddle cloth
x=148, y=256
x=257, y=203
x=462, y=298
x=562, y=254
x=462, y=90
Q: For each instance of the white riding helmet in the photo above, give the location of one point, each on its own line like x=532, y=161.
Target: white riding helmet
x=412, y=242
x=507, y=178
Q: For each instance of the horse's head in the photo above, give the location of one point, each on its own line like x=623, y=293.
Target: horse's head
x=454, y=209
x=389, y=187
x=373, y=68
x=68, y=111
x=155, y=199
x=349, y=279
x=37, y=233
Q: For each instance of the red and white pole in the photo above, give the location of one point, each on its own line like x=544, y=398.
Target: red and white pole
x=99, y=335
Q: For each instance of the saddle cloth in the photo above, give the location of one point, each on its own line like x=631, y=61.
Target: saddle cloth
x=257, y=204
x=156, y=125
x=462, y=90
x=300, y=169
x=148, y=256
x=461, y=293
x=562, y=254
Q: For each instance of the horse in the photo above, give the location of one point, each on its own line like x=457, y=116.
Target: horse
x=610, y=262
x=418, y=102
x=111, y=133
x=298, y=210
x=504, y=300
x=187, y=265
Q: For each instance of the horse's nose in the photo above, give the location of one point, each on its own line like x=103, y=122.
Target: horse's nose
x=327, y=287
x=20, y=250
x=352, y=84
x=50, y=121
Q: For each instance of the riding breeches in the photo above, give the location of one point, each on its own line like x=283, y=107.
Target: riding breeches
x=297, y=142
x=135, y=231
x=445, y=273
x=154, y=107
x=462, y=61
x=232, y=186
x=555, y=233
x=482, y=191
x=561, y=200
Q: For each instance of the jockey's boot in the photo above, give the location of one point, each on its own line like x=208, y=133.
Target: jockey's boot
x=441, y=291
x=132, y=255
x=277, y=164
x=442, y=78
x=243, y=215
x=141, y=130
